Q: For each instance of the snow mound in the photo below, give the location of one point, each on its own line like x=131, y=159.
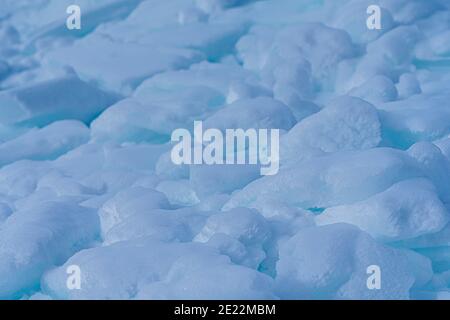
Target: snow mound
x=332, y=261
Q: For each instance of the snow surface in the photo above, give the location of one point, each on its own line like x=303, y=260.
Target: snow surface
x=86, y=177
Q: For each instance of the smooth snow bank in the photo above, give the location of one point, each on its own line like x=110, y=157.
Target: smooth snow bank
x=330, y=180
x=347, y=123
x=128, y=270
x=258, y=113
x=331, y=262
x=39, y=237
x=408, y=209
x=46, y=143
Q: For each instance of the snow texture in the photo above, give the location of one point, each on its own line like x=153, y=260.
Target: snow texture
x=87, y=180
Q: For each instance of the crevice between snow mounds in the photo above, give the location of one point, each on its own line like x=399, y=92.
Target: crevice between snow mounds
x=40, y=104
x=422, y=117
x=42, y=121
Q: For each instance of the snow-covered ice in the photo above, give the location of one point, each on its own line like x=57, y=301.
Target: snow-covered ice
x=87, y=179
